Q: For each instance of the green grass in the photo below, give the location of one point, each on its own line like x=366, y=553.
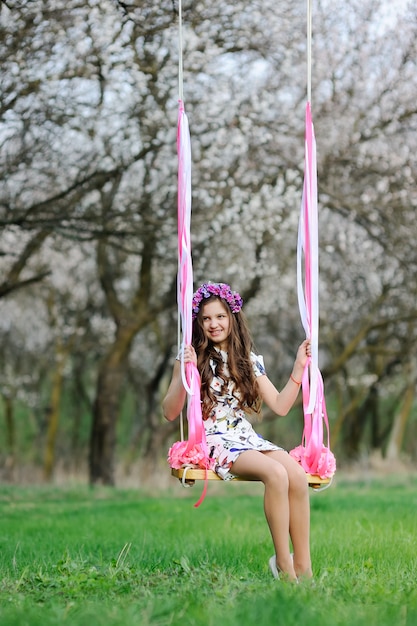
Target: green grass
x=85, y=557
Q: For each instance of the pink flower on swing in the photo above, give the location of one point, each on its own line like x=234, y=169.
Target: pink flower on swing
x=325, y=466
x=178, y=455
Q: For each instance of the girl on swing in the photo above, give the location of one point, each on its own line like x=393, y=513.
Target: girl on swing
x=233, y=384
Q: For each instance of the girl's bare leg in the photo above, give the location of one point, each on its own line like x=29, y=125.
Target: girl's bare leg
x=286, y=505
x=299, y=504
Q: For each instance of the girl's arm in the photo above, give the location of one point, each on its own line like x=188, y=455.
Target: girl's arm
x=174, y=400
x=281, y=402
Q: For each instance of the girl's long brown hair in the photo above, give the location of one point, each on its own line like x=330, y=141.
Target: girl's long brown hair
x=238, y=361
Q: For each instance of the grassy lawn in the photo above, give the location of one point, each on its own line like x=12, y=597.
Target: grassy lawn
x=118, y=557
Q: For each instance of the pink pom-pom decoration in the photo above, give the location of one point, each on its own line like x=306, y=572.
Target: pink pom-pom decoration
x=180, y=454
x=324, y=466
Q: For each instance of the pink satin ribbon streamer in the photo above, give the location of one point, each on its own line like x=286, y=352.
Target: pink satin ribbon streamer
x=314, y=457
x=189, y=372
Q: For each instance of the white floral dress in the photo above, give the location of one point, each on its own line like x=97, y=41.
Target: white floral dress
x=228, y=431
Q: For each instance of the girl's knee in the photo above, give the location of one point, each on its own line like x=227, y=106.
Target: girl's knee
x=297, y=478
x=278, y=476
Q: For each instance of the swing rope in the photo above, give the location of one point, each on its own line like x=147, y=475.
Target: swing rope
x=193, y=451
x=180, y=98
x=309, y=47
x=312, y=454
x=180, y=55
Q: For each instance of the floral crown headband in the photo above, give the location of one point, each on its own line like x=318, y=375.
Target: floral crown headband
x=221, y=290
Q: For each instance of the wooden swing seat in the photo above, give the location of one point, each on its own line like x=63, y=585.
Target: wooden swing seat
x=193, y=474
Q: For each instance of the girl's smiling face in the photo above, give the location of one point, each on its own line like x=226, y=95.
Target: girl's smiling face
x=216, y=323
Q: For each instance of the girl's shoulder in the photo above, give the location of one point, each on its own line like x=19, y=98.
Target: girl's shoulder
x=258, y=364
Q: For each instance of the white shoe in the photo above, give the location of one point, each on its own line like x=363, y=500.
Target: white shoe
x=273, y=566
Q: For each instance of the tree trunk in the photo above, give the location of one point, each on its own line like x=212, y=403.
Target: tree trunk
x=356, y=422
x=129, y=320
x=400, y=421
x=107, y=407
x=54, y=411
x=79, y=401
x=10, y=436
x=345, y=409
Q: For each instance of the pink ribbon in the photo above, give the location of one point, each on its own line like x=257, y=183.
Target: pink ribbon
x=314, y=456
x=189, y=372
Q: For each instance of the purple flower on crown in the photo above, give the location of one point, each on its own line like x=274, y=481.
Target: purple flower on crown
x=222, y=290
